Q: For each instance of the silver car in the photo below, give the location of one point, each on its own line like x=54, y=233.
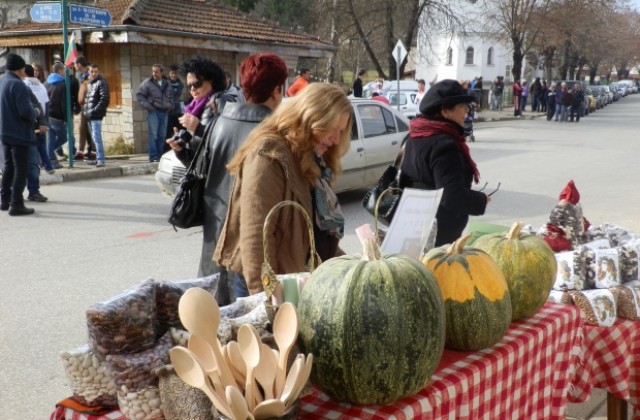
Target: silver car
x=376, y=136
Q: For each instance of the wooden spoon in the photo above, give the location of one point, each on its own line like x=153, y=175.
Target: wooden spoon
x=285, y=332
x=294, y=372
x=266, y=371
x=301, y=380
x=205, y=356
x=200, y=314
x=250, y=350
x=238, y=404
x=239, y=377
x=268, y=409
x=189, y=370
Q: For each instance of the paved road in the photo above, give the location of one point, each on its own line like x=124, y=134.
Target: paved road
x=97, y=238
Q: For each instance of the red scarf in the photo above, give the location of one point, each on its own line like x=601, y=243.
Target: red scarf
x=423, y=127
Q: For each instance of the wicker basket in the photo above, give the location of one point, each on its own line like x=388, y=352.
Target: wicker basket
x=270, y=281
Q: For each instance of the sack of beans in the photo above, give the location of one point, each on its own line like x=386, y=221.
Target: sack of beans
x=597, y=306
x=90, y=377
x=141, y=404
x=126, y=323
x=168, y=294
x=242, y=306
x=135, y=370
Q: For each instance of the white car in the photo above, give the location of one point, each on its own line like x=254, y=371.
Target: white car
x=377, y=134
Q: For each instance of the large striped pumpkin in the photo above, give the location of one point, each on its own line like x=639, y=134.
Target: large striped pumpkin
x=375, y=326
x=528, y=265
x=476, y=296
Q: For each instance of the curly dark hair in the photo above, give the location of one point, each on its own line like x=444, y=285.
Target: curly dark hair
x=205, y=69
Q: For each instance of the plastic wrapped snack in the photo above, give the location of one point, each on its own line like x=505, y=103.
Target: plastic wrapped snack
x=597, y=306
x=168, y=294
x=628, y=302
x=570, y=275
x=556, y=296
x=126, y=323
x=135, y=371
x=90, y=377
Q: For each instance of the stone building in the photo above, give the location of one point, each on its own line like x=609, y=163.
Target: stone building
x=144, y=32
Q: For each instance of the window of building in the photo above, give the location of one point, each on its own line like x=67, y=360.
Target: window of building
x=490, y=56
x=469, y=59
x=449, y=61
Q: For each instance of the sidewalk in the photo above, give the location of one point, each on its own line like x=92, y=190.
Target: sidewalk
x=506, y=115
x=115, y=166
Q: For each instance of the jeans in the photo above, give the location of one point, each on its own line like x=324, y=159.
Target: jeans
x=558, y=112
x=57, y=137
x=496, y=102
x=43, y=155
x=33, y=174
x=534, y=103
x=95, y=128
x=564, y=112
x=157, y=123
x=238, y=286
x=14, y=176
x=523, y=103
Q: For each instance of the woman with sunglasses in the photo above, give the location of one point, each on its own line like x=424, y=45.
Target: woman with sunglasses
x=206, y=82
x=437, y=156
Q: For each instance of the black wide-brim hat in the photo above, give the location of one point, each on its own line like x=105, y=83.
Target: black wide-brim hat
x=444, y=94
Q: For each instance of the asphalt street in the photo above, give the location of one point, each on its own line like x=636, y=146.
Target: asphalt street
x=96, y=238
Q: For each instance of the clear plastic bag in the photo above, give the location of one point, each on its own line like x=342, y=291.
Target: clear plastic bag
x=90, y=377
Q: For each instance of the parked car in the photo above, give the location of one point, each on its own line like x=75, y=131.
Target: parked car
x=408, y=104
x=376, y=136
x=608, y=93
x=616, y=90
x=600, y=96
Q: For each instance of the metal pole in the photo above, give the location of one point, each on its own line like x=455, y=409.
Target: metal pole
x=398, y=58
x=67, y=82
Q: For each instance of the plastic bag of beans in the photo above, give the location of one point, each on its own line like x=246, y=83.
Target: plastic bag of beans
x=126, y=323
x=90, y=377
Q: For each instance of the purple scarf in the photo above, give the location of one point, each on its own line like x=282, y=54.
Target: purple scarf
x=196, y=107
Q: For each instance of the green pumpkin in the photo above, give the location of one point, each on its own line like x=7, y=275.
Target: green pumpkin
x=476, y=296
x=375, y=326
x=528, y=265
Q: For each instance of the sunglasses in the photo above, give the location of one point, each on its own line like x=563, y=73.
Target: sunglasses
x=195, y=85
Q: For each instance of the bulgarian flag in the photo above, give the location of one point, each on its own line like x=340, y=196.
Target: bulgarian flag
x=72, y=51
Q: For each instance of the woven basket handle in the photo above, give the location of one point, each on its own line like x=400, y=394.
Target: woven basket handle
x=269, y=280
x=375, y=211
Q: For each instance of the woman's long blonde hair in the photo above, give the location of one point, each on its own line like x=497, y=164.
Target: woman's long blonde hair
x=298, y=122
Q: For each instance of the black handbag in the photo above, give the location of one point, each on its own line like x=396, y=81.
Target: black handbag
x=390, y=180
x=187, y=208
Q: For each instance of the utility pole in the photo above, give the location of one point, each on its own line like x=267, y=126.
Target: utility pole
x=67, y=82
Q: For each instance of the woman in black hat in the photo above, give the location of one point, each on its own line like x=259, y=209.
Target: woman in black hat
x=437, y=156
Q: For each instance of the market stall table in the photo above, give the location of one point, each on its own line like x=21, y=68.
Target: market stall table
x=609, y=358
x=525, y=375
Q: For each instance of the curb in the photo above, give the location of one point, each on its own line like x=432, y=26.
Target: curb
x=97, y=173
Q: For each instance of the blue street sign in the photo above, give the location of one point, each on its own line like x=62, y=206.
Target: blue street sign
x=89, y=15
x=46, y=12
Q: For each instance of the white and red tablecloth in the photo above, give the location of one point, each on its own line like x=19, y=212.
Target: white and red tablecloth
x=609, y=358
x=524, y=376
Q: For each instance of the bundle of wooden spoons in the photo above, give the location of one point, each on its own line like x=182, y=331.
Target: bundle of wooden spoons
x=244, y=379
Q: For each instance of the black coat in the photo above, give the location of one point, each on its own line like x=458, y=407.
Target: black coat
x=436, y=162
x=97, y=99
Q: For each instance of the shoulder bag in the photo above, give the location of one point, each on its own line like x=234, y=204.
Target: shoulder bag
x=389, y=202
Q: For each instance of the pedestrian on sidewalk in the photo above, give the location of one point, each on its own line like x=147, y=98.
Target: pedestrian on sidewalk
x=156, y=96
x=39, y=101
x=517, y=91
x=497, y=89
x=81, y=65
x=551, y=101
x=95, y=109
x=17, y=119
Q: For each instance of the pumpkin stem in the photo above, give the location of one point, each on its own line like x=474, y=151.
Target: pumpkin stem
x=514, y=232
x=458, y=246
x=371, y=250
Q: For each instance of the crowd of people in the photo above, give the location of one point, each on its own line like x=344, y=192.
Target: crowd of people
x=256, y=151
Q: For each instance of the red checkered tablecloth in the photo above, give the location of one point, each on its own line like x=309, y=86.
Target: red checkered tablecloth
x=609, y=358
x=524, y=376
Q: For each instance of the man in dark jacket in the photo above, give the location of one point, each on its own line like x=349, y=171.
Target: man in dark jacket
x=357, y=84
x=56, y=89
x=262, y=76
x=177, y=85
x=17, y=134
x=156, y=96
x=95, y=109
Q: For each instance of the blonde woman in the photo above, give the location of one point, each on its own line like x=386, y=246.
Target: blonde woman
x=292, y=155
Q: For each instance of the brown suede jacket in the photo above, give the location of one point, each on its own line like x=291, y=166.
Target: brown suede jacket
x=269, y=175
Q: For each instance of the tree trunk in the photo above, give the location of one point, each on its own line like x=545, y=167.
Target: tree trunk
x=331, y=64
x=518, y=56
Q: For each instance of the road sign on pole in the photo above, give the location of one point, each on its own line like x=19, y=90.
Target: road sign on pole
x=399, y=53
x=88, y=15
x=46, y=12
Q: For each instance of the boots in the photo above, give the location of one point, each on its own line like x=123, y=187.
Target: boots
x=20, y=210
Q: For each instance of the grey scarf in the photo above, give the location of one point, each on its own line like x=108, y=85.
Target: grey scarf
x=329, y=217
